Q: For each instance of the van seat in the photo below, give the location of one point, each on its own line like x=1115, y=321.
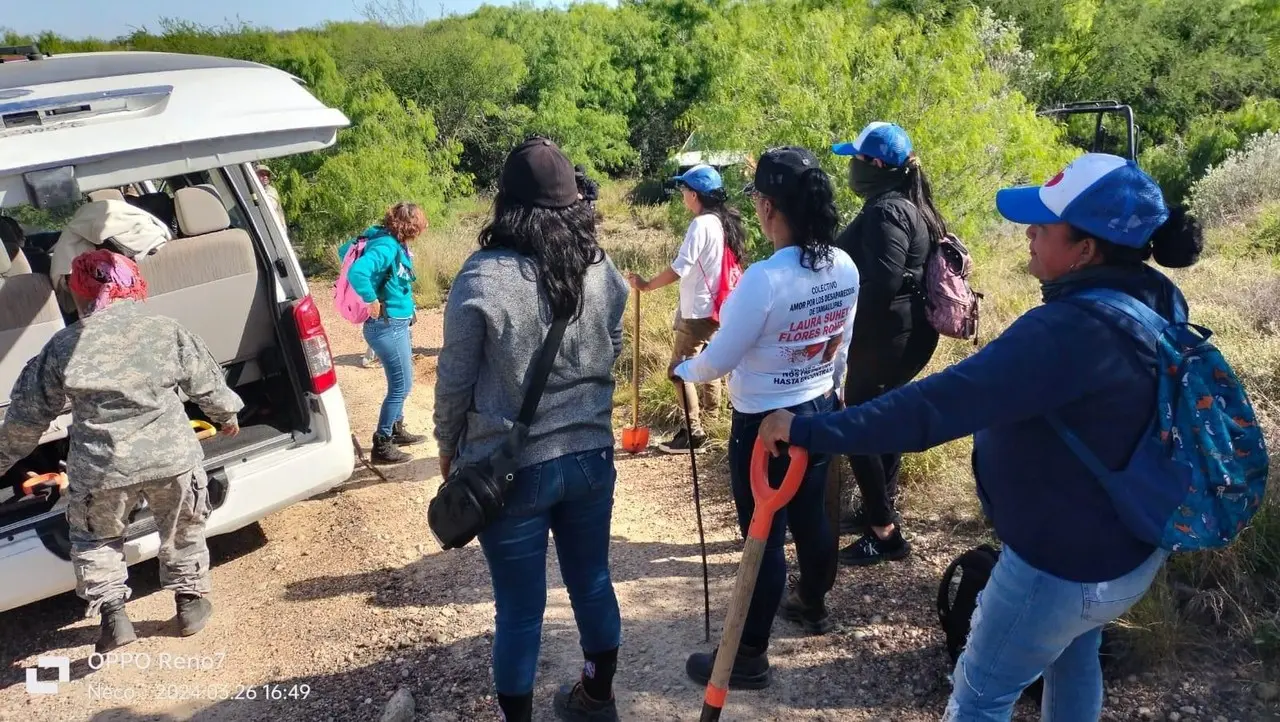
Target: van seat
x=16, y=260
x=106, y=194
x=29, y=317
x=210, y=282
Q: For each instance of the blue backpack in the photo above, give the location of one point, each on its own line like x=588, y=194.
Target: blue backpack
x=1200, y=473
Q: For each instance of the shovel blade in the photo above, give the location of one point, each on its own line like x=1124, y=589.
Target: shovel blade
x=635, y=439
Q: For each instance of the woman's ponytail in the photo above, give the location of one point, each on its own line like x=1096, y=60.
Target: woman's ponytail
x=815, y=220
x=1179, y=242
x=735, y=233
x=920, y=191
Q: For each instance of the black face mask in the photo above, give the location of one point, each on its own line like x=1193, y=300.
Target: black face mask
x=868, y=181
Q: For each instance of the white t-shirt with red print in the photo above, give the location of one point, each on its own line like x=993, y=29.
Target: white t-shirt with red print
x=784, y=333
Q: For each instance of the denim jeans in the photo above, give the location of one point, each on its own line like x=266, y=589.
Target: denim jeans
x=806, y=515
x=389, y=339
x=1029, y=623
x=572, y=497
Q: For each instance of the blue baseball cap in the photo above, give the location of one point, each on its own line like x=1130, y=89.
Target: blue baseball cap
x=1105, y=195
x=885, y=141
x=701, y=178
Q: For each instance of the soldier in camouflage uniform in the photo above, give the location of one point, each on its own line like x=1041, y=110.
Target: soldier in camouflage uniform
x=131, y=439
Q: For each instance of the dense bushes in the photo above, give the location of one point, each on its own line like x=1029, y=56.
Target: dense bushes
x=436, y=104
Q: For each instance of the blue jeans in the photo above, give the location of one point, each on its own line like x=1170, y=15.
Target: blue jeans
x=1029, y=623
x=806, y=515
x=389, y=338
x=571, y=496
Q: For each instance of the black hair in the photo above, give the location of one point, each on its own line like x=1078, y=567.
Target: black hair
x=735, y=233
x=810, y=210
x=561, y=241
x=920, y=192
x=1177, y=243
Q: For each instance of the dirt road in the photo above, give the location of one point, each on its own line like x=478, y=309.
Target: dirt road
x=325, y=609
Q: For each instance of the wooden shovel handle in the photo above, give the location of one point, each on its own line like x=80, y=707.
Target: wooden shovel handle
x=731, y=637
x=768, y=501
x=635, y=367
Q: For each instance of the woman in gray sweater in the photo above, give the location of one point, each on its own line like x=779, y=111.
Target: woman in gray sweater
x=538, y=260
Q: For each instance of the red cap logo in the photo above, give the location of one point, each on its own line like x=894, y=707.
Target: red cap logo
x=1055, y=180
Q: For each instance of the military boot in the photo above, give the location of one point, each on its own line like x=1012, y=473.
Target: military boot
x=117, y=630
x=193, y=613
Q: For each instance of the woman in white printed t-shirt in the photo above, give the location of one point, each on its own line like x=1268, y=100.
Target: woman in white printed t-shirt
x=785, y=336
x=716, y=226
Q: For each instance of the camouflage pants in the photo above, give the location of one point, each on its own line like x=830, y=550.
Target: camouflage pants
x=98, y=519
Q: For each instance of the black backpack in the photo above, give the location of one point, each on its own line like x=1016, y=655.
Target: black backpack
x=958, y=598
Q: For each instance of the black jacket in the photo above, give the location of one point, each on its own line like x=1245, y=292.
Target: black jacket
x=889, y=242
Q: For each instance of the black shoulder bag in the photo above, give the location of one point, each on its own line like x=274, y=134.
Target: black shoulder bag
x=473, y=495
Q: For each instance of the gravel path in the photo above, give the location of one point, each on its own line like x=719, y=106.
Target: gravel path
x=348, y=595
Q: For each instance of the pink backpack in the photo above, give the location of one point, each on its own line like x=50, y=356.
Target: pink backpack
x=952, y=306
x=350, y=305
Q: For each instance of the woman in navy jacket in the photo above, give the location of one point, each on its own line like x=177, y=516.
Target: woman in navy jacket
x=1069, y=565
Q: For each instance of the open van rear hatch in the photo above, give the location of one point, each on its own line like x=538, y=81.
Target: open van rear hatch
x=119, y=116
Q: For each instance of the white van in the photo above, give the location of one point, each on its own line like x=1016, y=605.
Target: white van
x=177, y=135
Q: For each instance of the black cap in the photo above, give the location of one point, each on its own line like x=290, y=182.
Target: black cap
x=538, y=174
x=780, y=170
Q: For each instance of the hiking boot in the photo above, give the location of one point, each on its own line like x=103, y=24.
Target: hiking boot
x=814, y=619
x=386, y=452
x=682, y=442
x=750, y=668
x=193, y=613
x=117, y=630
x=400, y=436
x=855, y=522
x=573, y=704
x=871, y=549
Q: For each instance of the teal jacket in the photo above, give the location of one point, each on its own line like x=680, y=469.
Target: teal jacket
x=383, y=273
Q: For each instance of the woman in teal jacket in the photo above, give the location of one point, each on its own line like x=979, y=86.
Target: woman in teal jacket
x=383, y=277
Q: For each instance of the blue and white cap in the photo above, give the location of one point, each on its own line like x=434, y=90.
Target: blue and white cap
x=1105, y=195
x=701, y=178
x=884, y=141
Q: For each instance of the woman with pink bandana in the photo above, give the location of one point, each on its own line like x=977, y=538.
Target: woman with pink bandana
x=130, y=438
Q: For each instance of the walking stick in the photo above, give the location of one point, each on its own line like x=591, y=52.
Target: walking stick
x=767, y=501
x=697, y=505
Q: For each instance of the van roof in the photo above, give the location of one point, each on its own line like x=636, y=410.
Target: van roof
x=121, y=117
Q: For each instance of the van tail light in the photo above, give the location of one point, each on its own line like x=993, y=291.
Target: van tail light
x=315, y=346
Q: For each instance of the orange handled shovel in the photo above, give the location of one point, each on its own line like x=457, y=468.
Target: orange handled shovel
x=635, y=438
x=768, y=501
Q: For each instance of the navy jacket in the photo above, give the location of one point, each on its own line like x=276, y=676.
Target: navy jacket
x=1041, y=499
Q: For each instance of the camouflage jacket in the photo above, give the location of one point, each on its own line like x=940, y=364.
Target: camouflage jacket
x=121, y=370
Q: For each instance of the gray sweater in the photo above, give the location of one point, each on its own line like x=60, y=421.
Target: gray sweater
x=494, y=325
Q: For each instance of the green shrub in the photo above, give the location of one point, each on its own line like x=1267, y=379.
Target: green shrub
x=1247, y=179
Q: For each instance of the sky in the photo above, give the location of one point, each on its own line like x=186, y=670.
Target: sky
x=112, y=18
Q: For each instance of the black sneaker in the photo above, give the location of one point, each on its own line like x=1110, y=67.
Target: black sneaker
x=573, y=704
x=682, y=442
x=116, y=629
x=814, y=619
x=870, y=549
x=855, y=522
x=400, y=435
x=385, y=451
x=750, y=668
